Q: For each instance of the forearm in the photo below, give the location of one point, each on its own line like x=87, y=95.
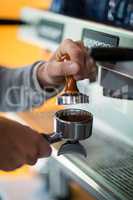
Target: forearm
x=20, y=89
x=24, y=88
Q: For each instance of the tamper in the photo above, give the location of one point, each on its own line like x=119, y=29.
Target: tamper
x=71, y=94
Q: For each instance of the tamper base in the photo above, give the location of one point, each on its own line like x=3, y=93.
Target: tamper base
x=67, y=99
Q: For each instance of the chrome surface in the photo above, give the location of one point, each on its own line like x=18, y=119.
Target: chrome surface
x=72, y=99
x=72, y=147
x=117, y=84
x=109, y=162
x=73, y=130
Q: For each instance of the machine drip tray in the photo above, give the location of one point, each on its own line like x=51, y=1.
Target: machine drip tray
x=121, y=177
x=109, y=163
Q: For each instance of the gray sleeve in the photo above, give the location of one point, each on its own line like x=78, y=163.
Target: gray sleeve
x=20, y=90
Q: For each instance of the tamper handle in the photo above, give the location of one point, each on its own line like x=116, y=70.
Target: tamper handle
x=118, y=54
x=70, y=86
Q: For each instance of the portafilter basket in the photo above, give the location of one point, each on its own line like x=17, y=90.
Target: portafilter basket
x=72, y=125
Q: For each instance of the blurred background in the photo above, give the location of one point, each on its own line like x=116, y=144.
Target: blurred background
x=27, y=183
x=14, y=52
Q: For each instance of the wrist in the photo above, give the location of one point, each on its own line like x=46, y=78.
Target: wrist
x=39, y=75
x=42, y=76
x=46, y=83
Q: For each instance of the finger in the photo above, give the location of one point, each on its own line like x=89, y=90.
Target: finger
x=31, y=154
x=11, y=167
x=44, y=149
x=89, y=65
x=88, y=69
x=14, y=162
x=73, y=50
x=80, y=44
x=93, y=76
x=61, y=69
x=31, y=160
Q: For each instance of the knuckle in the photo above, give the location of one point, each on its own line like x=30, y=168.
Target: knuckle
x=32, y=162
x=77, y=55
x=31, y=159
x=77, y=77
x=61, y=68
x=44, y=149
x=78, y=69
x=67, y=41
x=15, y=164
x=47, y=69
x=49, y=151
x=8, y=168
x=79, y=52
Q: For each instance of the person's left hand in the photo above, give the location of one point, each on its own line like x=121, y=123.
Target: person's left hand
x=81, y=65
x=20, y=145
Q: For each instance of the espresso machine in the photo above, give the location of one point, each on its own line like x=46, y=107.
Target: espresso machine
x=106, y=172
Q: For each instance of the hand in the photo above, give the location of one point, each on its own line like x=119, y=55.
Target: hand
x=20, y=145
x=81, y=65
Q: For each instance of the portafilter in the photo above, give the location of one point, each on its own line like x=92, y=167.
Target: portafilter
x=71, y=125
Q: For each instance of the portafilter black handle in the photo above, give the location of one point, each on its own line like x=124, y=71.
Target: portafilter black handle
x=12, y=22
x=53, y=137
x=116, y=54
x=69, y=147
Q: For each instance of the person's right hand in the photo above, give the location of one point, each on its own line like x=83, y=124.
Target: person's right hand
x=81, y=65
x=20, y=145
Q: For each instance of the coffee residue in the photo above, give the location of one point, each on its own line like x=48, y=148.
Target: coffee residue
x=75, y=118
